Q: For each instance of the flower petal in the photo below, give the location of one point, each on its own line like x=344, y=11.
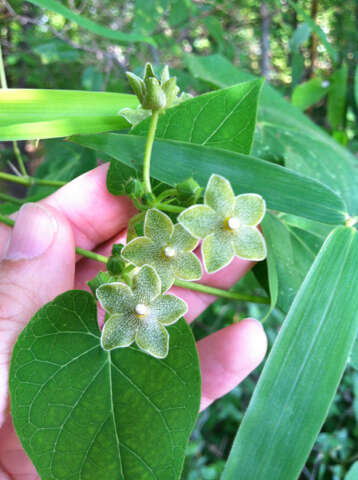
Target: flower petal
x=187, y=266
x=217, y=251
x=166, y=275
x=182, y=240
x=249, y=208
x=158, y=226
x=200, y=220
x=138, y=251
x=115, y=297
x=167, y=309
x=146, y=285
x=119, y=331
x=250, y=244
x=153, y=339
x=219, y=195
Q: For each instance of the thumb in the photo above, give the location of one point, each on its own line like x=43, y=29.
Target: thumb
x=38, y=265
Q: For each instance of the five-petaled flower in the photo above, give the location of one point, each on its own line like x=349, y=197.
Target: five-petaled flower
x=167, y=248
x=139, y=313
x=227, y=225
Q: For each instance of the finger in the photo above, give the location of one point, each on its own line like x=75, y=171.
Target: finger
x=94, y=214
x=228, y=356
x=39, y=265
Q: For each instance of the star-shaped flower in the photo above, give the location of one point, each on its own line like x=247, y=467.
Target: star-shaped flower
x=139, y=313
x=166, y=247
x=227, y=225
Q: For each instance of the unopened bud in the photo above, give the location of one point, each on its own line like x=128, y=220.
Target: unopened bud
x=188, y=191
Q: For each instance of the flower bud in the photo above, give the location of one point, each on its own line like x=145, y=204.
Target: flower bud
x=115, y=265
x=188, y=192
x=155, y=98
x=117, y=249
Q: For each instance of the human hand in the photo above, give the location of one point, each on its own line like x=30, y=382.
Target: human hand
x=39, y=263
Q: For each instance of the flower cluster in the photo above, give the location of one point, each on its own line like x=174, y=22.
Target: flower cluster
x=228, y=227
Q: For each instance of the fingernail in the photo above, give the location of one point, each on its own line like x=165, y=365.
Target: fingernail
x=32, y=234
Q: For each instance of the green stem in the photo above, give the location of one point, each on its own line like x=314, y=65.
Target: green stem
x=10, y=199
x=169, y=208
x=148, y=151
x=91, y=255
x=218, y=292
x=3, y=83
x=198, y=287
x=30, y=180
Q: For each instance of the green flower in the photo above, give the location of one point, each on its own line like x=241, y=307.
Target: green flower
x=167, y=248
x=139, y=314
x=227, y=225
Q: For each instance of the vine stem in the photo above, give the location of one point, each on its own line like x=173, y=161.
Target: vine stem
x=198, y=287
x=148, y=151
x=3, y=83
x=218, y=292
x=27, y=180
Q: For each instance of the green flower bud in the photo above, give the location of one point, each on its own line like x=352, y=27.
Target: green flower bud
x=188, y=192
x=170, y=90
x=117, y=249
x=115, y=265
x=137, y=85
x=155, y=98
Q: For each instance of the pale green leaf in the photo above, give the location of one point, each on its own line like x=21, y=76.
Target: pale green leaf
x=308, y=93
x=304, y=368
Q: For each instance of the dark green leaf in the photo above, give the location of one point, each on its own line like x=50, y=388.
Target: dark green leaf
x=28, y=114
x=303, y=370
x=224, y=119
x=337, y=98
x=353, y=472
x=282, y=189
x=120, y=37
x=81, y=412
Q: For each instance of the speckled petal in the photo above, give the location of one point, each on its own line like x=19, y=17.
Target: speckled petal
x=146, y=285
x=187, y=266
x=217, y=251
x=249, y=208
x=166, y=275
x=158, y=226
x=167, y=309
x=115, y=297
x=219, y=195
x=182, y=239
x=200, y=220
x=153, y=339
x=138, y=251
x=119, y=331
x=250, y=244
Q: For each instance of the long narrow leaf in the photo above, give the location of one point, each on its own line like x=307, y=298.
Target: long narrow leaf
x=94, y=27
x=30, y=114
x=283, y=189
x=303, y=371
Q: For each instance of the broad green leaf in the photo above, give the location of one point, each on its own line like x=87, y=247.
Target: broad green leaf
x=337, y=98
x=282, y=189
x=119, y=37
x=109, y=415
x=224, y=119
x=352, y=474
x=356, y=85
x=300, y=36
x=28, y=114
x=285, y=134
x=309, y=93
x=303, y=370
x=63, y=161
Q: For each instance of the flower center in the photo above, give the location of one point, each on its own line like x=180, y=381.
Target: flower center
x=169, y=252
x=232, y=223
x=140, y=310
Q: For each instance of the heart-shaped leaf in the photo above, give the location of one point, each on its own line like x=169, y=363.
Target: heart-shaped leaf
x=81, y=412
